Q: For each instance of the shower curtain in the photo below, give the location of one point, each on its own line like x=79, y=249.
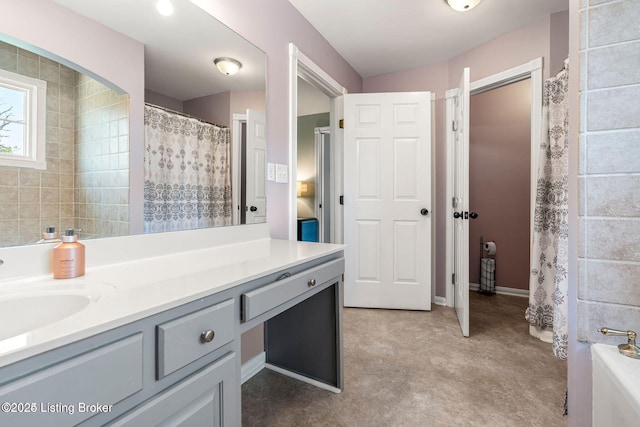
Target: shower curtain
x=548, y=285
x=187, y=172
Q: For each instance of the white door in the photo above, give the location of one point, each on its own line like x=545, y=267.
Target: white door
x=387, y=199
x=256, y=159
x=460, y=202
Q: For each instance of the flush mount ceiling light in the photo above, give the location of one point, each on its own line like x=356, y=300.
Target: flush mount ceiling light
x=462, y=5
x=165, y=8
x=228, y=66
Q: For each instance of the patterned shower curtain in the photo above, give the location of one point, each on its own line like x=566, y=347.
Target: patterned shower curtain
x=187, y=172
x=548, y=285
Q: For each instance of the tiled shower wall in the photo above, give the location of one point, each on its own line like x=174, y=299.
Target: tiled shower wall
x=609, y=250
x=101, y=160
x=86, y=183
x=32, y=199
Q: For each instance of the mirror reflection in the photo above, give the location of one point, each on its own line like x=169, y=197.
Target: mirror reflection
x=84, y=182
x=205, y=144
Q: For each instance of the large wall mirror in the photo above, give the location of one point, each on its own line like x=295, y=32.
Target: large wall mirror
x=204, y=131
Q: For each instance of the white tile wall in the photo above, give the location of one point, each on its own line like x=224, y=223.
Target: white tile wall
x=609, y=247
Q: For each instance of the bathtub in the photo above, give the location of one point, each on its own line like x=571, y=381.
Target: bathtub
x=616, y=388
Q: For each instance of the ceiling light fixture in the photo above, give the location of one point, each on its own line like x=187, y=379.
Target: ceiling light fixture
x=228, y=66
x=165, y=8
x=462, y=5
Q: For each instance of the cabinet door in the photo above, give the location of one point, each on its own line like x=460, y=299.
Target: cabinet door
x=206, y=398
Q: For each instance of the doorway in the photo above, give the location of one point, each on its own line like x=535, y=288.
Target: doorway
x=301, y=67
x=457, y=236
x=313, y=113
x=499, y=188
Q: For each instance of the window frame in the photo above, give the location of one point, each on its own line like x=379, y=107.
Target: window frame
x=35, y=120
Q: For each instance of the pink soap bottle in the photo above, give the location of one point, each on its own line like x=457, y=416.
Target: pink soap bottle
x=68, y=257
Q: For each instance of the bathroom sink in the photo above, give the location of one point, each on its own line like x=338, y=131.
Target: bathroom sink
x=30, y=305
x=20, y=314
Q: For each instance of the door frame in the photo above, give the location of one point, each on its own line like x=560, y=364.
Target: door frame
x=532, y=70
x=321, y=179
x=236, y=155
x=301, y=66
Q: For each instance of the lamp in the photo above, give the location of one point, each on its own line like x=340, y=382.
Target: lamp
x=228, y=66
x=462, y=5
x=306, y=189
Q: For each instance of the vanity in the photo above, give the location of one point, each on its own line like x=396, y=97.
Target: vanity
x=157, y=339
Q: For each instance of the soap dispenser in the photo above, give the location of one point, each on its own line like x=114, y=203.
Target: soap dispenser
x=50, y=235
x=68, y=257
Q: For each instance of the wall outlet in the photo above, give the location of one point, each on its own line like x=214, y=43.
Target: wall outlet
x=282, y=173
x=271, y=172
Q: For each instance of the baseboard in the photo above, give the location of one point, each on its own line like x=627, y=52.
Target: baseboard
x=302, y=378
x=440, y=301
x=252, y=367
x=503, y=291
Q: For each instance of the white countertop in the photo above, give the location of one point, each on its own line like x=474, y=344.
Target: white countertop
x=137, y=288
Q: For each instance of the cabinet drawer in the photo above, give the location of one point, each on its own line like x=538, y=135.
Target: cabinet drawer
x=261, y=300
x=206, y=398
x=183, y=340
x=63, y=394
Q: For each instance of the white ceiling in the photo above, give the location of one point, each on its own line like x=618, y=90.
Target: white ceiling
x=179, y=49
x=382, y=36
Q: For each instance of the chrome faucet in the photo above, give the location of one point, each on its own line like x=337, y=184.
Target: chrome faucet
x=630, y=349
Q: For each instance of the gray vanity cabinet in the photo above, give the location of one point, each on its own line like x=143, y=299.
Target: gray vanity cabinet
x=159, y=370
x=200, y=400
x=181, y=366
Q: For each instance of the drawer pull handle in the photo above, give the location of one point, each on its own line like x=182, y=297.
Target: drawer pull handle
x=283, y=276
x=312, y=283
x=207, y=336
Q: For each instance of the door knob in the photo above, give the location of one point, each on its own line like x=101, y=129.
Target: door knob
x=424, y=211
x=253, y=208
x=473, y=215
x=457, y=215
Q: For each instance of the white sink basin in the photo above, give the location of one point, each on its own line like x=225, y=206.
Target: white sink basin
x=22, y=314
x=29, y=305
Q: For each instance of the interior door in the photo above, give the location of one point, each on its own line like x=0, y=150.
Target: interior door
x=387, y=199
x=256, y=167
x=460, y=202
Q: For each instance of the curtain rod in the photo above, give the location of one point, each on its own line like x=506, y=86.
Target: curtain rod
x=180, y=113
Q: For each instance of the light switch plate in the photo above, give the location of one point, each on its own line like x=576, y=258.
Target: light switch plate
x=282, y=172
x=271, y=172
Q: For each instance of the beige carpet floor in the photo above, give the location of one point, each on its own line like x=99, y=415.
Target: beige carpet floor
x=410, y=368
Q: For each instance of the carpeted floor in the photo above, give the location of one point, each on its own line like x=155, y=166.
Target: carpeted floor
x=410, y=368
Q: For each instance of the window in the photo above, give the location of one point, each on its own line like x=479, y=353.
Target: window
x=22, y=120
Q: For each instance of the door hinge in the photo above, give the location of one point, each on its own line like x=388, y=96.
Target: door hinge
x=454, y=126
x=453, y=279
x=341, y=123
x=342, y=200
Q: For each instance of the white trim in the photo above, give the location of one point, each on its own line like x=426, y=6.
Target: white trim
x=321, y=180
x=252, y=366
x=302, y=378
x=514, y=292
x=449, y=255
x=236, y=167
x=35, y=96
x=533, y=70
x=301, y=66
x=440, y=301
